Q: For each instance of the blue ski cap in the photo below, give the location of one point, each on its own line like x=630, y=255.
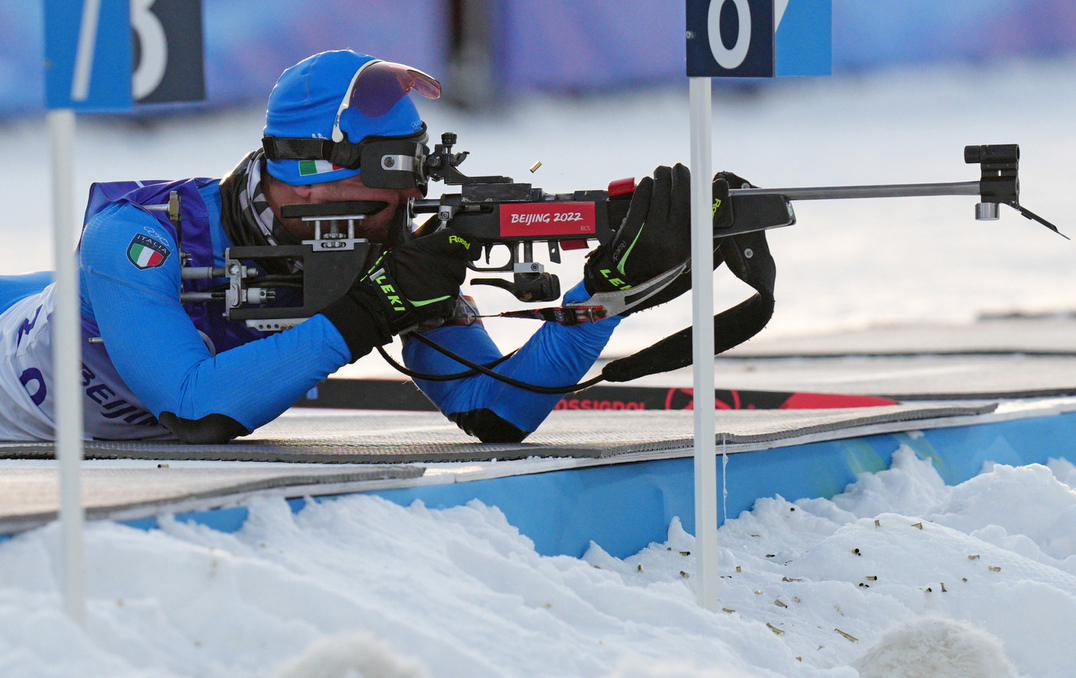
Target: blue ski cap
x=305, y=103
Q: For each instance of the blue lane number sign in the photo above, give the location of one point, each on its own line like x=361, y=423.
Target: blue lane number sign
x=758, y=38
x=108, y=55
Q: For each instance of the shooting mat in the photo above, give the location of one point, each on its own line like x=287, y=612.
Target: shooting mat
x=425, y=438
x=337, y=452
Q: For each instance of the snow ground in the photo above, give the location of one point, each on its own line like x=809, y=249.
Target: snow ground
x=898, y=576
x=364, y=586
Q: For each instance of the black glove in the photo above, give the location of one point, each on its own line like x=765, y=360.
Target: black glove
x=748, y=258
x=655, y=235
x=722, y=218
x=414, y=284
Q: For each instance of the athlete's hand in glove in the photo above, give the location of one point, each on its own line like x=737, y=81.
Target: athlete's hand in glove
x=680, y=232
x=655, y=235
x=414, y=284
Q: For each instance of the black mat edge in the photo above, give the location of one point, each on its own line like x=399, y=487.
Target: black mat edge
x=860, y=422
x=290, y=452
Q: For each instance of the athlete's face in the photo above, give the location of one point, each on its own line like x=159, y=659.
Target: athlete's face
x=374, y=227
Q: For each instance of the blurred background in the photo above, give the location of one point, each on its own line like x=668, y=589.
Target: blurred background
x=486, y=50
x=595, y=90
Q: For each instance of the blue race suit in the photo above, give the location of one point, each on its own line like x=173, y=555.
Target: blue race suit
x=158, y=356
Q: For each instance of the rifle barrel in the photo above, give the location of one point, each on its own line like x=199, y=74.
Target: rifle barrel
x=880, y=191
x=827, y=192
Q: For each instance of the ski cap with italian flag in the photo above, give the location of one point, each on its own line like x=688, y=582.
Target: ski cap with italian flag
x=305, y=102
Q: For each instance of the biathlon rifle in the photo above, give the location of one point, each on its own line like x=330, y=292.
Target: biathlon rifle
x=498, y=211
x=495, y=210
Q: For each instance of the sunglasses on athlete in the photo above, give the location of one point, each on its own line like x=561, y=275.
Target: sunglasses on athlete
x=386, y=162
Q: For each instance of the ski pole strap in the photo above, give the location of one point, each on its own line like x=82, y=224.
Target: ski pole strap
x=564, y=315
x=748, y=257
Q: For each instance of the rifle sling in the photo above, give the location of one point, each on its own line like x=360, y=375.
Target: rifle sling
x=748, y=257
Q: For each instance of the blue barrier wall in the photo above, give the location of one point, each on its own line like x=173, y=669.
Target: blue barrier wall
x=559, y=45
x=625, y=507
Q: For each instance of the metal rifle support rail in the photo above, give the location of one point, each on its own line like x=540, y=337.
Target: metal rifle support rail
x=999, y=184
x=877, y=191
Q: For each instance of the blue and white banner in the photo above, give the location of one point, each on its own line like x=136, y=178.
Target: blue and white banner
x=88, y=54
x=107, y=55
x=758, y=38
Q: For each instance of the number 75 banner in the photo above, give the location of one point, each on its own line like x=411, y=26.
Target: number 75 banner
x=758, y=38
x=107, y=55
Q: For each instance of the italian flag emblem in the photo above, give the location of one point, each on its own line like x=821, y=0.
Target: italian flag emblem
x=310, y=167
x=145, y=252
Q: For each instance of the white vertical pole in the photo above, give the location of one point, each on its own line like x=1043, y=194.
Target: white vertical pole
x=702, y=294
x=67, y=363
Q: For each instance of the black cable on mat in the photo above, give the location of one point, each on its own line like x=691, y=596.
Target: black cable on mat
x=482, y=369
x=437, y=377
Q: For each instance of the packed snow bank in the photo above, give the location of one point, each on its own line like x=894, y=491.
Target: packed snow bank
x=898, y=571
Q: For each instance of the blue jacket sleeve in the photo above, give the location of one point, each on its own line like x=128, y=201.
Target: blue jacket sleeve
x=159, y=353
x=556, y=355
